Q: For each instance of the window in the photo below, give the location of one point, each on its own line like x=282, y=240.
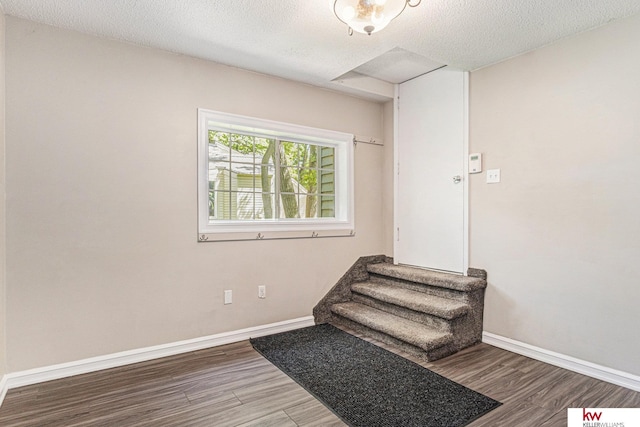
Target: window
x=260, y=179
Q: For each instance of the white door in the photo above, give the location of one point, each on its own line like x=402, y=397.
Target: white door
x=431, y=154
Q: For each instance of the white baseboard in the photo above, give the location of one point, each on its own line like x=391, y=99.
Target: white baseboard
x=623, y=379
x=54, y=372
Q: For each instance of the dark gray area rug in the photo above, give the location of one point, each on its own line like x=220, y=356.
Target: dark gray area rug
x=366, y=385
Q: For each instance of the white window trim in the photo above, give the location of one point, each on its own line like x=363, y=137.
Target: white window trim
x=342, y=225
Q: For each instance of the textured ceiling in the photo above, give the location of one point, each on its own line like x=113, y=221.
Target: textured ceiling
x=302, y=40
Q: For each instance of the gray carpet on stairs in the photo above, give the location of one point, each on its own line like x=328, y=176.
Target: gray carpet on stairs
x=366, y=385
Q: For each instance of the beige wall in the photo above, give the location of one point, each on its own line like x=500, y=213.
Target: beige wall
x=2, y=203
x=560, y=236
x=101, y=199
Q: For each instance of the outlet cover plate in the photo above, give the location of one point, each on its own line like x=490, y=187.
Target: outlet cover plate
x=493, y=176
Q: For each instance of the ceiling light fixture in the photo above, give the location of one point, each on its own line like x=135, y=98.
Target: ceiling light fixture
x=369, y=16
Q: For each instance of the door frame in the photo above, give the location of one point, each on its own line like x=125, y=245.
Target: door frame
x=465, y=172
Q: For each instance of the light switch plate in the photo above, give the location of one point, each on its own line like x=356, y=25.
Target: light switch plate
x=493, y=176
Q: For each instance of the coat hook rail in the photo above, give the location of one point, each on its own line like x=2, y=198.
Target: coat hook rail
x=367, y=140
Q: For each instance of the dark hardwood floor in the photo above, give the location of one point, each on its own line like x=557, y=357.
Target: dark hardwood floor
x=233, y=385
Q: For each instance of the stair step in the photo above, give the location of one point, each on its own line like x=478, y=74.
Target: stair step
x=418, y=301
x=402, y=329
x=428, y=277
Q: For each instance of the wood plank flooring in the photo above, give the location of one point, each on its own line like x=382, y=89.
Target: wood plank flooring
x=233, y=385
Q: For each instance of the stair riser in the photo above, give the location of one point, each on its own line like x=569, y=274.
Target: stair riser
x=464, y=334
x=427, y=356
x=426, y=319
x=467, y=330
x=418, y=287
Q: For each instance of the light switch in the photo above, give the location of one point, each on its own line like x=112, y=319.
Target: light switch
x=493, y=176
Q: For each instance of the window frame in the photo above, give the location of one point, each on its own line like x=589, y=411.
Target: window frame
x=277, y=228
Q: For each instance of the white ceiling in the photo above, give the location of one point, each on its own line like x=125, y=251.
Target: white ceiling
x=302, y=40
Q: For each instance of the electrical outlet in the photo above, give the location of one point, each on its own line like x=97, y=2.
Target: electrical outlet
x=493, y=176
x=228, y=297
x=262, y=291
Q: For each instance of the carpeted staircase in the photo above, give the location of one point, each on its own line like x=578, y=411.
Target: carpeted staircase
x=425, y=313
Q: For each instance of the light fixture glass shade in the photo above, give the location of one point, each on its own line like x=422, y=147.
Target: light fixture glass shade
x=368, y=16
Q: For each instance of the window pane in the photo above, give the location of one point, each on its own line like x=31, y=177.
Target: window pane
x=265, y=205
x=327, y=207
x=219, y=138
x=222, y=207
x=289, y=206
x=265, y=150
x=300, y=155
x=244, y=207
x=212, y=200
x=218, y=152
x=219, y=175
x=236, y=205
x=288, y=181
x=266, y=178
x=238, y=177
x=245, y=172
x=308, y=179
x=308, y=205
x=219, y=172
x=246, y=190
x=327, y=182
x=242, y=148
x=294, y=180
x=289, y=153
x=327, y=158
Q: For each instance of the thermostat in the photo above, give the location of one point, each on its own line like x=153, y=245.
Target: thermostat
x=475, y=163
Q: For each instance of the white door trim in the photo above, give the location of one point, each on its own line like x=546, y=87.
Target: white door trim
x=465, y=174
x=396, y=156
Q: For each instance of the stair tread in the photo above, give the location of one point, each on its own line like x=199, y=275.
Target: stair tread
x=428, y=277
x=414, y=333
x=414, y=300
